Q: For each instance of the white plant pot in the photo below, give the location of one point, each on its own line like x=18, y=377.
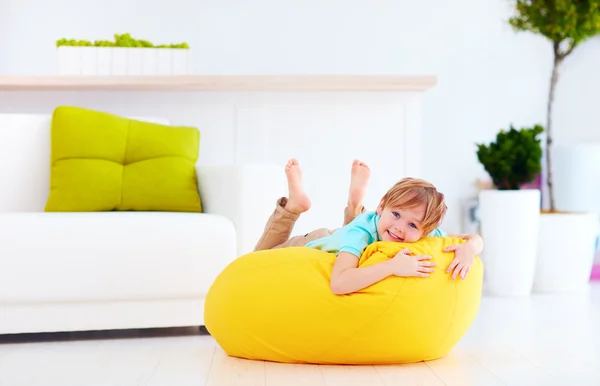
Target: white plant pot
x=180, y=61
x=149, y=61
x=567, y=245
x=89, y=60
x=68, y=60
x=123, y=61
x=104, y=61
x=119, y=61
x=576, y=173
x=163, y=61
x=509, y=226
x=134, y=61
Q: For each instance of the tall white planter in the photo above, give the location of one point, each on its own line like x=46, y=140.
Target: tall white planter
x=567, y=245
x=576, y=173
x=568, y=240
x=509, y=226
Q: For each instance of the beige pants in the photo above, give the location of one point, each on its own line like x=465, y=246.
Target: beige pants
x=280, y=225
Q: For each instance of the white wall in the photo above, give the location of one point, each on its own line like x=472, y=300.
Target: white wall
x=488, y=75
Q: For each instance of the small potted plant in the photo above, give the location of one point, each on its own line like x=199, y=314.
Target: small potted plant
x=568, y=230
x=509, y=215
x=123, y=56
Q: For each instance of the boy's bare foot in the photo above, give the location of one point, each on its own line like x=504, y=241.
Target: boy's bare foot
x=358, y=186
x=298, y=201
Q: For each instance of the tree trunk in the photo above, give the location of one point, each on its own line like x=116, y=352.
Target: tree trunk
x=553, y=81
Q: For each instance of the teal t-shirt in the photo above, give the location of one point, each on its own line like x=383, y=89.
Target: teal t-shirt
x=354, y=237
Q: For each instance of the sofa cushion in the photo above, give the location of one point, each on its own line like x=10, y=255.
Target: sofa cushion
x=108, y=256
x=103, y=162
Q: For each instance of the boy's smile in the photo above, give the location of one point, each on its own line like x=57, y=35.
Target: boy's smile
x=395, y=237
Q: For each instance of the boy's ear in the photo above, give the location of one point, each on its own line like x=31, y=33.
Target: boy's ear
x=380, y=208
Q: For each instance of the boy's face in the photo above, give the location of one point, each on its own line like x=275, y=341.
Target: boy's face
x=400, y=225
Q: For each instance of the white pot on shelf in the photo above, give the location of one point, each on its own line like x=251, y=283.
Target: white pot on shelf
x=134, y=61
x=77, y=60
x=89, y=60
x=119, y=60
x=567, y=244
x=180, y=61
x=149, y=61
x=68, y=60
x=122, y=61
x=163, y=61
x=509, y=226
x=104, y=61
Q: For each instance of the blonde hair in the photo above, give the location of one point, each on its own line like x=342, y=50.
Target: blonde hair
x=414, y=192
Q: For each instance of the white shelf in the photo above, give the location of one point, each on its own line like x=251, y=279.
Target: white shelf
x=222, y=82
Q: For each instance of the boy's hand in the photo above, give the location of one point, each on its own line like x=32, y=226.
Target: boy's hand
x=405, y=265
x=464, y=255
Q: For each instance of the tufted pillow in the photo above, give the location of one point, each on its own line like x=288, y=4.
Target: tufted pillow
x=103, y=162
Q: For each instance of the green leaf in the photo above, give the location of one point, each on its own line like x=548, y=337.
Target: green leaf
x=121, y=40
x=514, y=159
x=567, y=23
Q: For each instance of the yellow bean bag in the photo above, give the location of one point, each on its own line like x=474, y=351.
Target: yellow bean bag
x=276, y=305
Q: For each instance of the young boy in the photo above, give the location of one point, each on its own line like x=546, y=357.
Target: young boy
x=409, y=211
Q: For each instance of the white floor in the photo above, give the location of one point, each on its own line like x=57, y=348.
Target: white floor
x=542, y=340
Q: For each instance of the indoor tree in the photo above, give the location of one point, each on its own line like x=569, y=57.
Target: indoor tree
x=566, y=24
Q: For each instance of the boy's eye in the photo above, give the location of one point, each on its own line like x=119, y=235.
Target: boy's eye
x=396, y=214
x=413, y=225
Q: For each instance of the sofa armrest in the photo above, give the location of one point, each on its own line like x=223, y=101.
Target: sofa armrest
x=246, y=195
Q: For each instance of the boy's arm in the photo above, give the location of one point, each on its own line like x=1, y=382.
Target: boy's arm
x=346, y=277
x=474, y=242
x=464, y=255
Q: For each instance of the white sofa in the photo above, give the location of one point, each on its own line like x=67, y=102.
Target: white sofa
x=115, y=270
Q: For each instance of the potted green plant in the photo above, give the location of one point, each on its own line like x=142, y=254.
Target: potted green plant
x=566, y=24
x=123, y=56
x=509, y=216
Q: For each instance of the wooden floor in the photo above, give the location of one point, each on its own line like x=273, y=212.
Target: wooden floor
x=542, y=340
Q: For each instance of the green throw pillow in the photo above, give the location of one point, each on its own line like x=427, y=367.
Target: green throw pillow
x=102, y=162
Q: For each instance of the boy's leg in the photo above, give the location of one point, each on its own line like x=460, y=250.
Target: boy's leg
x=278, y=228
x=280, y=224
x=359, y=179
x=350, y=215
x=300, y=241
